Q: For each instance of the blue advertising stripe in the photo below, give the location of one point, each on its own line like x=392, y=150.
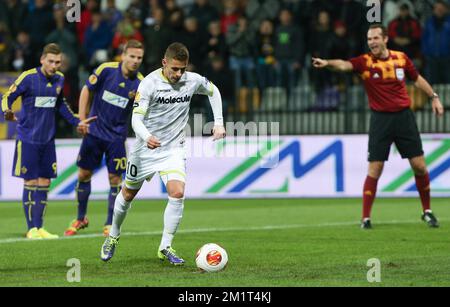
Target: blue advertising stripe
x=436, y=172
x=71, y=186
x=299, y=169
x=163, y=187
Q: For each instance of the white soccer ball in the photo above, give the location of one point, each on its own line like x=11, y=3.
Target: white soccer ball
x=211, y=257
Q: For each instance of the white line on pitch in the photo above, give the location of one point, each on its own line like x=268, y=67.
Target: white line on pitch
x=201, y=230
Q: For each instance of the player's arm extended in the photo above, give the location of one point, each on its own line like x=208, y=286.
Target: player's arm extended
x=72, y=118
x=84, y=102
x=216, y=104
x=436, y=104
x=336, y=65
x=66, y=112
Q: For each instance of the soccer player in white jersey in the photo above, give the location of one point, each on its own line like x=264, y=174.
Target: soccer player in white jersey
x=160, y=114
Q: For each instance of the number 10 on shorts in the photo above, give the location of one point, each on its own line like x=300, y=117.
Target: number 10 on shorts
x=131, y=169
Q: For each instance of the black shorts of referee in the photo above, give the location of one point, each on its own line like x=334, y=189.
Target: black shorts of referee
x=399, y=128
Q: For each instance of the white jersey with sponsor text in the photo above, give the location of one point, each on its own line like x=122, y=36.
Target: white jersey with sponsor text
x=165, y=107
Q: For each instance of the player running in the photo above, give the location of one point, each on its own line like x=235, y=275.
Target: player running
x=383, y=72
x=110, y=90
x=160, y=114
x=35, y=154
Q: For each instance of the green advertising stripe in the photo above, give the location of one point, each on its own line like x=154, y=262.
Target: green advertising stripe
x=406, y=176
x=283, y=189
x=65, y=174
x=242, y=168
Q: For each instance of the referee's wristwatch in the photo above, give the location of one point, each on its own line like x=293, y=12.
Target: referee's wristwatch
x=434, y=96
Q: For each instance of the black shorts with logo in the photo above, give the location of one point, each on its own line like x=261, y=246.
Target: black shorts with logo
x=393, y=127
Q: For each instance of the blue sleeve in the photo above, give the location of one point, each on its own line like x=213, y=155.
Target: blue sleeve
x=96, y=79
x=66, y=111
x=93, y=81
x=15, y=90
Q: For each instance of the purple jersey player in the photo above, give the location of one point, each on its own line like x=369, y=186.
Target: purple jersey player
x=35, y=154
x=109, y=94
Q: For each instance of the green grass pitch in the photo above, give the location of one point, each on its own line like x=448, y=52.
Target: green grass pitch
x=270, y=242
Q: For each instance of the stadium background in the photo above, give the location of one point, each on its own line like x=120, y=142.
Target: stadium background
x=258, y=53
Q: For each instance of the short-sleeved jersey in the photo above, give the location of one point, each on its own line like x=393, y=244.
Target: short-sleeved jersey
x=41, y=97
x=165, y=106
x=112, y=101
x=384, y=80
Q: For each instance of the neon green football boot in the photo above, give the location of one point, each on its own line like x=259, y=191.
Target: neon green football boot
x=46, y=235
x=33, y=234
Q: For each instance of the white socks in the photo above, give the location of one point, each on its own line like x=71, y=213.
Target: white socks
x=172, y=218
x=121, y=207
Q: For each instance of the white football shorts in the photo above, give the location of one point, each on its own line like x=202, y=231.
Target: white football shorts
x=170, y=165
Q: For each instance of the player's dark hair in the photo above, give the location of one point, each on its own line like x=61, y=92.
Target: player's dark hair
x=132, y=43
x=177, y=51
x=384, y=30
x=51, y=48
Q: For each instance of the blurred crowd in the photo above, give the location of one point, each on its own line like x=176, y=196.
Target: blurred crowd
x=252, y=44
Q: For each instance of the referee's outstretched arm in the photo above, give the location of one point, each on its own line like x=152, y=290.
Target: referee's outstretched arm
x=337, y=65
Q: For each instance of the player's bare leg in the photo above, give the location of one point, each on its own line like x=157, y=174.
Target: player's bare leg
x=422, y=178
x=375, y=169
x=172, y=218
x=419, y=166
x=175, y=188
x=370, y=189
